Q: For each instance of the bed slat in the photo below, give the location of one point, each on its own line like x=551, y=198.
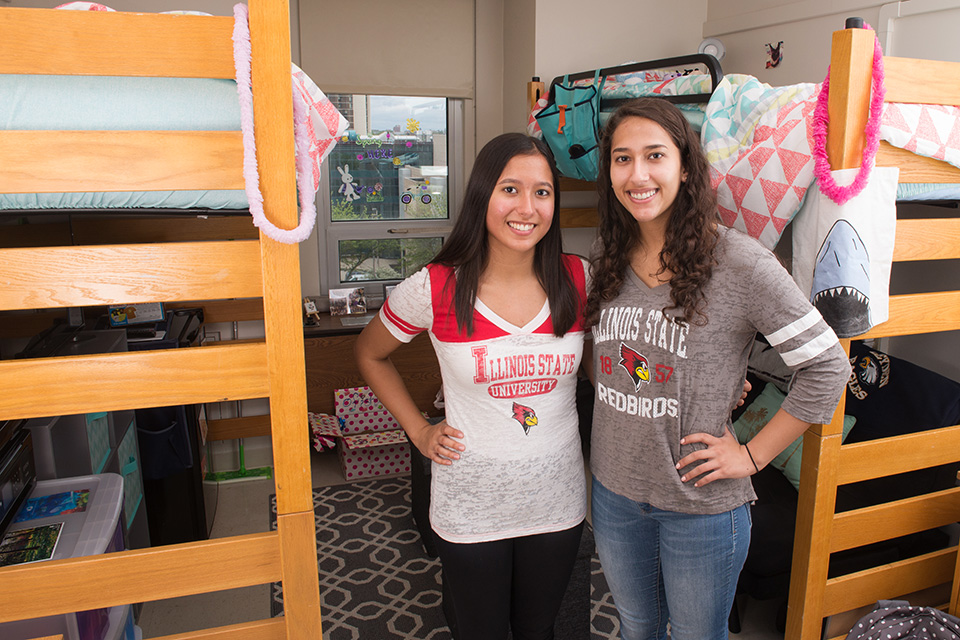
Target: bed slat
x=894, y=519
x=937, y=239
x=43, y=41
x=133, y=380
x=53, y=277
x=914, y=168
x=921, y=81
x=89, y=161
x=918, y=313
x=63, y=586
x=888, y=581
x=899, y=454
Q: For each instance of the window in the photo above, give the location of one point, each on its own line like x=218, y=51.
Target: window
x=387, y=187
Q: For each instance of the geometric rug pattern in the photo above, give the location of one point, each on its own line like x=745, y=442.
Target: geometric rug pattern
x=376, y=580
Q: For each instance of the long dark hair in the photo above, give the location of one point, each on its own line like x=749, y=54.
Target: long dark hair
x=466, y=250
x=691, y=234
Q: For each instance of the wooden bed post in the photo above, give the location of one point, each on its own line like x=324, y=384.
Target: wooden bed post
x=270, y=43
x=851, y=70
x=535, y=91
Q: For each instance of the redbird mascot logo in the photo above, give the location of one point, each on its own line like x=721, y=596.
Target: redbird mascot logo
x=635, y=364
x=526, y=416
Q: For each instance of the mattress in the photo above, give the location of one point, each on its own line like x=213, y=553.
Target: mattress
x=75, y=103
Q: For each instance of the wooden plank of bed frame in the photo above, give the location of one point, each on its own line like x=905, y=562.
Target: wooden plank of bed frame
x=914, y=168
x=63, y=586
x=921, y=81
x=815, y=506
x=908, y=452
x=85, y=161
x=936, y=239
x=894, y=519
x=43, y=41
x=918, y=313
x=51, y=277
x=847, y=592
x=954, y=608
x=131, y=380
x=273, y=118
x=849, y=95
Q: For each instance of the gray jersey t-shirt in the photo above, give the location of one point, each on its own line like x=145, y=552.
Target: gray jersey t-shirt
x=658, y=380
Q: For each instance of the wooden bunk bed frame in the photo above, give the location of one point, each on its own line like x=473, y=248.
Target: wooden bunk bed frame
x=43, y=41
x=827, y=463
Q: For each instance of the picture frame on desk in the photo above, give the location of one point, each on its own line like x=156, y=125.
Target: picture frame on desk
x=345, y=302
x=388, y=288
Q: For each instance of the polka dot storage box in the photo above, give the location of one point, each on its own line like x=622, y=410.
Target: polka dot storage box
x=372, y=442
x=366, y=455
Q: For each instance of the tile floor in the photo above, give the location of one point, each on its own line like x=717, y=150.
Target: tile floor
x=242, y=508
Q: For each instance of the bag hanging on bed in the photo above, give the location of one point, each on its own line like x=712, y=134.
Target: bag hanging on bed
x=897, y=619
x=571, y=126
x=842, y=254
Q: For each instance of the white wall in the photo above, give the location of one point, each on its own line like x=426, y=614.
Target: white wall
x=572, y=35
x=806, y=28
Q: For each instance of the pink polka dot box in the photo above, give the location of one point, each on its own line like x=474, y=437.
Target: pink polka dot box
x=371, y=442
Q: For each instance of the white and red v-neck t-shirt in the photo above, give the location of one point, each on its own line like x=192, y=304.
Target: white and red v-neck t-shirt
x=512, y=392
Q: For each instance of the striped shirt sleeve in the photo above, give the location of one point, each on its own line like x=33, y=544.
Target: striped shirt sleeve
x=803, y=339
x=409, y=309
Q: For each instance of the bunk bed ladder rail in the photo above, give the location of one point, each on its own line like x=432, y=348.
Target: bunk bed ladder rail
x=828, y=463
x=96, y=43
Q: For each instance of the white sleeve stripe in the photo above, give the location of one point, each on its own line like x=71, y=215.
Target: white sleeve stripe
x=795, y=328
x=810, y=349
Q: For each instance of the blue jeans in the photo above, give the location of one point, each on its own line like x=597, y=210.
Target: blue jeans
x=667, y=566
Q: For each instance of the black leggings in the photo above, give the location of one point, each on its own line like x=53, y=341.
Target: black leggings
x=516, y=584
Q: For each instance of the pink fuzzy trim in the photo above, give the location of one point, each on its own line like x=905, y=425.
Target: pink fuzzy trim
x=821, y=166
x=308, y=211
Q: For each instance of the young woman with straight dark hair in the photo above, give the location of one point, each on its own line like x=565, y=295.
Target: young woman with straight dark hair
x=503, y=308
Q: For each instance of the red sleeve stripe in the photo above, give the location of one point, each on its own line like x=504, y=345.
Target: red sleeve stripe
x=399, y=323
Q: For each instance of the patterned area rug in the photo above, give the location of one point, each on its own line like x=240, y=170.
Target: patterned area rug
x=376, y=580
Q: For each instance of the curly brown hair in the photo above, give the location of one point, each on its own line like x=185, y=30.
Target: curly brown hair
x=691, y=234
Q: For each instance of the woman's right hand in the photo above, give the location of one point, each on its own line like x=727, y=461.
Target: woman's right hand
x=439, y=442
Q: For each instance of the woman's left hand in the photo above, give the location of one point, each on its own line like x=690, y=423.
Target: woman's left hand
x=724, y=457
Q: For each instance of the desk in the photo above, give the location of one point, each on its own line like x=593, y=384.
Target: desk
x=330, y=365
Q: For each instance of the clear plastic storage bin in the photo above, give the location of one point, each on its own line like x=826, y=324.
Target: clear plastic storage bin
x=95, y=530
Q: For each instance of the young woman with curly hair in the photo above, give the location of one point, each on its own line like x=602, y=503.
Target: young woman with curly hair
x=676, y=302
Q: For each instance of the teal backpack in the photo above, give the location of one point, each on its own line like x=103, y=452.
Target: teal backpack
x=570, y=124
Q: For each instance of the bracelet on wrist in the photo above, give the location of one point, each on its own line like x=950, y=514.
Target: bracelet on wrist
x=751, y=457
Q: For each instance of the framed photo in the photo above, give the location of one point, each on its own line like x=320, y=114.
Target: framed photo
x=388, y=288
x=345, y=302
